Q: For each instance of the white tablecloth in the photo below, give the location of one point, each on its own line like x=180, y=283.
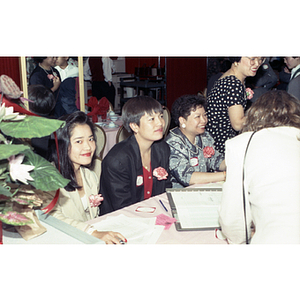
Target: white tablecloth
x=170, y=236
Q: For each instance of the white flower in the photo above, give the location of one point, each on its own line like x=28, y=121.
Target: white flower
x=7, y=113
x=17, y=170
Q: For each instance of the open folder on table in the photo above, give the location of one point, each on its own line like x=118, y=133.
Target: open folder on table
x=196, y=208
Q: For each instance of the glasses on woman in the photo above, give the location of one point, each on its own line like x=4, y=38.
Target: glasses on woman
x=260, y=60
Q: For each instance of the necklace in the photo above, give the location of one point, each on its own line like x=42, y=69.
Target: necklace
x=49, y=75
x=45, y=69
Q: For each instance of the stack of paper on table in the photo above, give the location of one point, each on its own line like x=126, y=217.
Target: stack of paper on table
x=196, y=208
x=135, y=230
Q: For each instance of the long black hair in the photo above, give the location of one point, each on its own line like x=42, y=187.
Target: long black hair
x=63, y=136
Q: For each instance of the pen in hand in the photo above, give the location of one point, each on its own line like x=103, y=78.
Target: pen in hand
x=163, y=206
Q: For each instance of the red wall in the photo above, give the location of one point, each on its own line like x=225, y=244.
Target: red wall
x=10, y=66
x=185, y=75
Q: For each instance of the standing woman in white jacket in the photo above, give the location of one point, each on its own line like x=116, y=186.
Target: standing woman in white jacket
x=271, y=174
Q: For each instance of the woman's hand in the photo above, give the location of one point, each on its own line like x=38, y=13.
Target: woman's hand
x=109, y=237
x=56, y=83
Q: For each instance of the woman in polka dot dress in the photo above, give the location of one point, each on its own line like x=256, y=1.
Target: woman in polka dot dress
x=227, y=100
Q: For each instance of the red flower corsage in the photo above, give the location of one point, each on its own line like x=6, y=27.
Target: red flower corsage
x=160, y=173
x=50, y=76
x=95, y=200
x=208, y=152
x=249, y=93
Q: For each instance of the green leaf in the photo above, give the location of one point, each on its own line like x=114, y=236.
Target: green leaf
x=2, y=138
x=45, y=176
x=8, y=150
x=4, y=191
x=31, y=127
x=14, y=218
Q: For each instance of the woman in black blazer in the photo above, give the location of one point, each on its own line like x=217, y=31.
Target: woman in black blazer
x=136, y=168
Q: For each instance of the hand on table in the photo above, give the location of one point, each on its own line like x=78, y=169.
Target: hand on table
x=109, y=237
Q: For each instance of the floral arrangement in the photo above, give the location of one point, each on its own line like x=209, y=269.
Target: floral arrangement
x=208, y=152
x=160, y=173
x=95, y=200
x=23, y=173
x=249, y=93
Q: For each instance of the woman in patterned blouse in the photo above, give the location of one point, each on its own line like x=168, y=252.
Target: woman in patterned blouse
x=193, y=158
x=227, y=100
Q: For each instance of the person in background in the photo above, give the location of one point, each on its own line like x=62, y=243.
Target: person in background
x=101, y=69
x=45, y=74
x=271, y=174
x=293, y=63
x=79, y=201
x=136, y=168
x=192, y=152
x=65, y=69
x=227, y=100
x=42, y=105
x=43, y=100
x=264, y=80
x=66, y=101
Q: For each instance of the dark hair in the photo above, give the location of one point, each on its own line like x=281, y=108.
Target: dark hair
x=234, y=59
x=272, y=109
x=184, y=105
x=136, y=107
x=38, y=59
x=63, y=137
x=225, y=65
x=43, y=97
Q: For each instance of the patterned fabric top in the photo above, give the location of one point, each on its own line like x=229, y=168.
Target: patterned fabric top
x=227, y=91
x=187, y=158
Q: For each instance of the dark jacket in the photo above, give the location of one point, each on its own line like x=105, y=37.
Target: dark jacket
x=120, y=169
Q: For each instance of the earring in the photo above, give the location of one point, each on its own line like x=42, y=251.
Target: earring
x=183, y=125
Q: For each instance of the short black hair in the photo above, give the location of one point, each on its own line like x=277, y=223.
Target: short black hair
x=136, y=107
x=43, y=97
x=39, y=59
x=184, y=105
x=234, y=59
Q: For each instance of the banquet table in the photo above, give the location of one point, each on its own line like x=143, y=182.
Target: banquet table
x=171, y=235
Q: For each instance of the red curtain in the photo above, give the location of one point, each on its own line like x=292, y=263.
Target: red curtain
x=185, y=75
x=10, y=66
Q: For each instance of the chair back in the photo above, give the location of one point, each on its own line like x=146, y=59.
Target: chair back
x=122, y=134
x=167, y=118
x=101, y=141
x=111, y=108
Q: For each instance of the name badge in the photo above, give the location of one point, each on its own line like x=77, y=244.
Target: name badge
x=139, y=180
x=194, y=161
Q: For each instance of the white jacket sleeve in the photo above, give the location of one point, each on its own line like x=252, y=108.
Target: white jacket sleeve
x=231, y=213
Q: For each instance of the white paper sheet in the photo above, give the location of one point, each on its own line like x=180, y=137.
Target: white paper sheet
x=135, y=230
x=197, y=209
